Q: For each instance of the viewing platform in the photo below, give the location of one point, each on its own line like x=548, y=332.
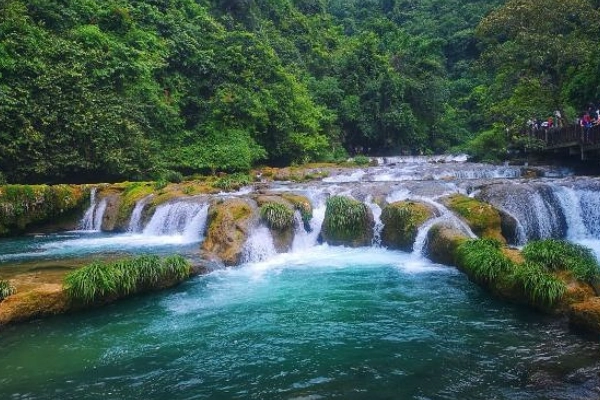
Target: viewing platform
x=572, y=140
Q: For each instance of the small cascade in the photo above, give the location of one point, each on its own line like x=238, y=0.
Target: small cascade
x=536, y=208
x=259, y=246
x=376, y=210
x=446, y=217
x=590, y=211
x=92, y=219
x=135, y=222
x=181, y=218
x=569, y=201
x=304, y=240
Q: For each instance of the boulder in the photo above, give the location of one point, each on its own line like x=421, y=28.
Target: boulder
x=442, y=242
x=228, y=227
x=483, y=218
x=401, y=222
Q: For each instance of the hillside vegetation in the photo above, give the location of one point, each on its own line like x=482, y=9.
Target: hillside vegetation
x=96, y=90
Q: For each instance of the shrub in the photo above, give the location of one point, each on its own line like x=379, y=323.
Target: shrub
x=560, y=255
x=484, y=260
x=233, y=181
x=277, y=216
x=6, y=289
x=362, y=160
x=104, y=281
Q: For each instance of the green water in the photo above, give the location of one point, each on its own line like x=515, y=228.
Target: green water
x=325, y=323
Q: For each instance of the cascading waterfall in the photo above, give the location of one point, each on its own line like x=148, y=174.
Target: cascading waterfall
x=259, y=246
x=92, y=219
x=376, y=210
x=571, y=207
x=135, y=222
x=590, y=211
x=181, y=218
x=445, y=217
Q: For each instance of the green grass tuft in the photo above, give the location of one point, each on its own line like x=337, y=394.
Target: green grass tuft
x=560, y=255
x=542, y=288
x=102, y=281
x=484, y=260
x=277, y=216
x=6, y=289
x=344, y=217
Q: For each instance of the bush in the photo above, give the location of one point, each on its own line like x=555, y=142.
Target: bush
x=233, y=181
x=6, y=289
x=484, y=260
x=362, y=160
x=104, y=281
x=560, y=255
x=277, y=216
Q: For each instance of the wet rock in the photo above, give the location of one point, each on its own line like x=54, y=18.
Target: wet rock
x=283, y=232
x=483, y=219
x=228, y=225
x=401, y=223
x=586, y=315
x=442, y=242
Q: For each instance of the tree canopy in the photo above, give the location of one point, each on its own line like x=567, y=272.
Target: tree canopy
x=96, y=90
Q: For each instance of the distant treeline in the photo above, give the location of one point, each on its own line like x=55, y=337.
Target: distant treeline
x=96, y=90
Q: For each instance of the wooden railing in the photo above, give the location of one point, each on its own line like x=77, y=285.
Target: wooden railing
x=568, y=136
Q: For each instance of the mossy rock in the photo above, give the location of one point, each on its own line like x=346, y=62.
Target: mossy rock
x=585, y=315
x=302, y=204
x=401, y=223
x=27, y=207
x=133, y=193
x=278, y=215
x=228, y=225
x=442, y=242
x=45, y=300
x=483, y=218
x=347, y=222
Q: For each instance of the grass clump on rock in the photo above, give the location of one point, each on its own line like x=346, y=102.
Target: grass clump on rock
x=347, y=221
x=277, y=216
x=401, y=222
x=6, y=289
x=484, y=260
x=560, y=255
x=99, y=282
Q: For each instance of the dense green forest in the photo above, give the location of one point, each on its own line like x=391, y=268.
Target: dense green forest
x=96, y=90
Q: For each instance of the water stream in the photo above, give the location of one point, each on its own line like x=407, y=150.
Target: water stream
x=319, y=321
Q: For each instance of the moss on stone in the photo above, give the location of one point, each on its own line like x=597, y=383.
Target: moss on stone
x=401, y=223
x=27, y=206
x=228, y=228
x=442, y=242
x=482, y=218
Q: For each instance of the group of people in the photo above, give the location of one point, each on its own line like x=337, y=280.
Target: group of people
x=553, y=120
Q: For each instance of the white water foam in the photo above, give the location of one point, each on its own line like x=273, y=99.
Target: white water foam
x=259, y=246
x=92, y=219
x=135, y=222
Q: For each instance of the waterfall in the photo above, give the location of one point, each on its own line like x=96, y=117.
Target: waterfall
x=180, y=218
x=92, y=219
x=302, y=239
x=135, y=222
x=590, y=209
x=259, y=246
x=376, y=210
x=446, y=217
x=570, y=204
x=536, y=208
